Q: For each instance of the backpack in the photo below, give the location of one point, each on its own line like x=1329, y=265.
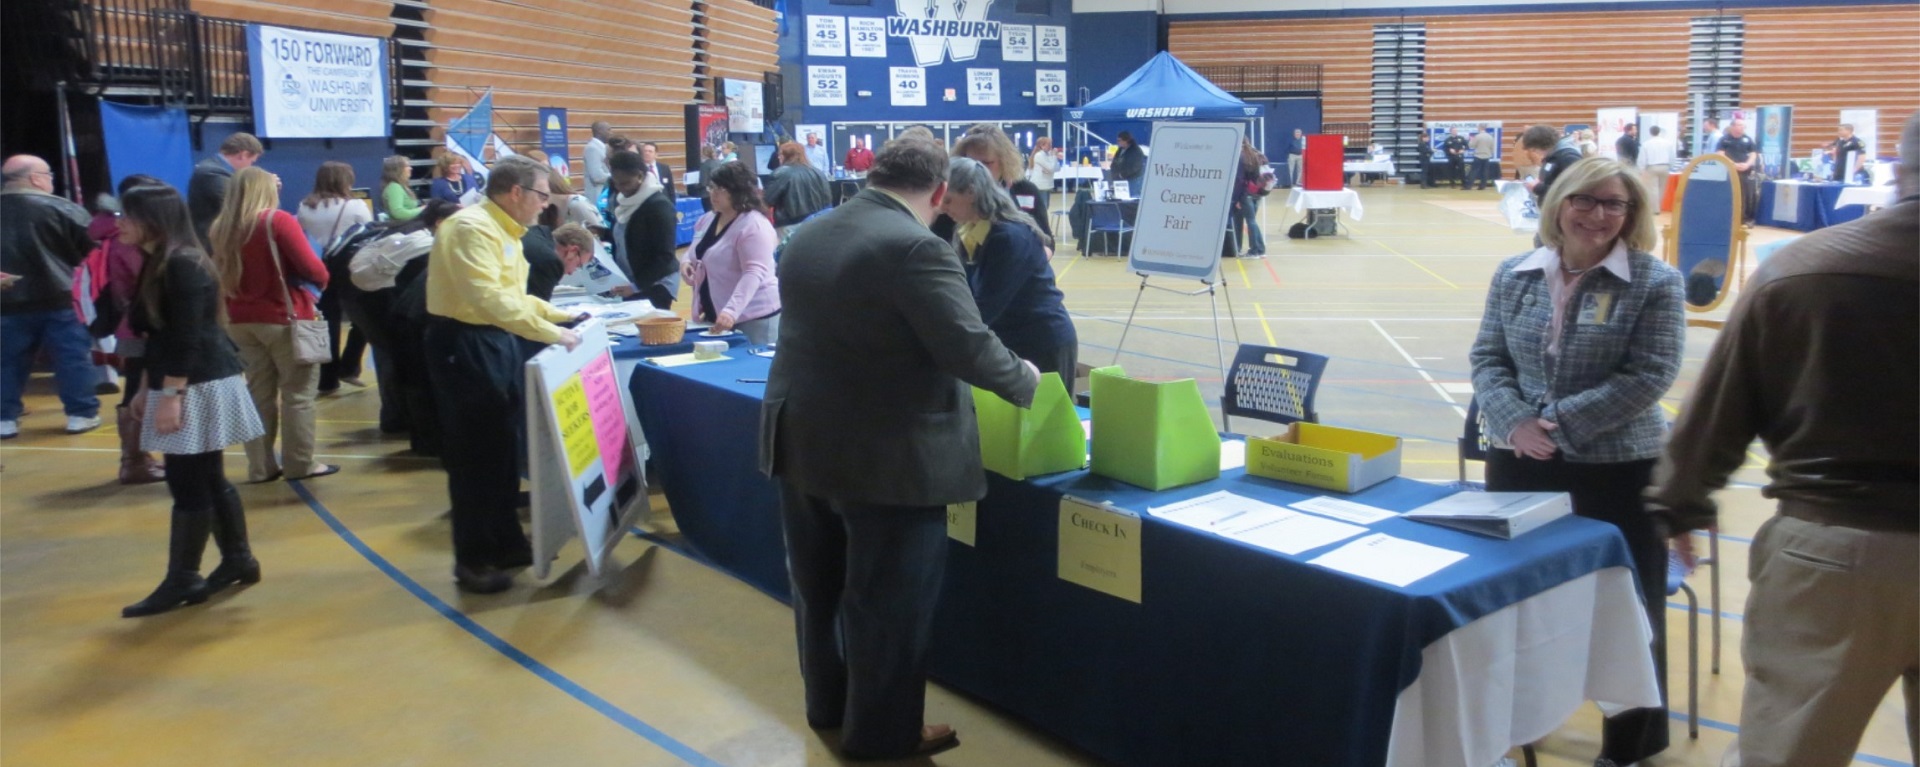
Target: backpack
x=1297, y=231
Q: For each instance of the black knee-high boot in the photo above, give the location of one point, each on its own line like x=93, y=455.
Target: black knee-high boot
x=183, y=584
x=237, y=564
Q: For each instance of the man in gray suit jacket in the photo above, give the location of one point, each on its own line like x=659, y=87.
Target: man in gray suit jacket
x=207, y=189
x=868, y=424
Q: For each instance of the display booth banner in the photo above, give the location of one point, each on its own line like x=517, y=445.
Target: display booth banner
x=746, y=104
x=710, y=127
x=553, y=135
x=867, y=37
x=1775, y=128
x=1050, y=87
x=827, y=86
x=1866, y=127
x=1437, y=131
x=1613, y=123
x=152, y=140
x=826, y=35
x=909, y=86
x=470, y=131
x=316, y=84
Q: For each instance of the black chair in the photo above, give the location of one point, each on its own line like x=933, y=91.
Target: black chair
x=1272, y=384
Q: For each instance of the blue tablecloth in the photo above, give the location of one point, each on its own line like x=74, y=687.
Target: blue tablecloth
x=1813, y=208
x=1236, y=655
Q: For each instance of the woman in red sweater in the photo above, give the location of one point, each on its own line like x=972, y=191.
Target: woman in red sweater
x=270, y=277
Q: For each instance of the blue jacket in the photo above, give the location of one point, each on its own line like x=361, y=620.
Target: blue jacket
x=1014, y=288
x=444, y=191
x=1604, y=387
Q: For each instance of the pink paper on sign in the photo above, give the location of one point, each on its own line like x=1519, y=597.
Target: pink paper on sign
x=609, y=418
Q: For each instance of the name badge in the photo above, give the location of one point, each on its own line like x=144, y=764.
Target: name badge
x=1595, y=309
x=1025, y=201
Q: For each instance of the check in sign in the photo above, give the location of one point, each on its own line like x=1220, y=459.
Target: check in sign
x=1185, y=198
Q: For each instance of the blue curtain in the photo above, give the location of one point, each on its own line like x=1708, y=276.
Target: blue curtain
x=147, y=139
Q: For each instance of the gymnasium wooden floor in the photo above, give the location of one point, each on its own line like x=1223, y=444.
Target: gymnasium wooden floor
x=357, y=650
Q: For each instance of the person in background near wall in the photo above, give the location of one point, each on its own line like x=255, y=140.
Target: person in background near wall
x=986, y=144
x=1005, y=256
x=1552, y=152
x=710, y=163
x=650, y=154
x=1586, y=143
x=573, y=208
x=124, y=264
x=859, y=158
x=1713, y=135
x=451, y=178
x=43, y=239
x=1844, y=148
x=1296, y=147
x=396, y=191
x=1656, y=157
x=1804, y=364
x=797, y=190
x=1244, y=215
x=643, y=232
x=1580, y=340
x=207, y=189
x=477, y=303
x=869, y=427
x=1454, y=148
x=594, y=156
x=1739, y=147
x=1627, y=147
x=1043, y=164
x=194, y=404
x=1129, y=163
x=1483, y=145
x=731, y=264
x=817, y=153
x=328, y=212
x=265, y=268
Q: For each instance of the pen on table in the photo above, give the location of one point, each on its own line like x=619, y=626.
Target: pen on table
x=751, y=380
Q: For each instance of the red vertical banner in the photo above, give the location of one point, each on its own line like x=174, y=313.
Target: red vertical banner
x=1324, y=160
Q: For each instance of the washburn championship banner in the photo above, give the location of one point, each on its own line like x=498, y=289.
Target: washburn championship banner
x=316, y=84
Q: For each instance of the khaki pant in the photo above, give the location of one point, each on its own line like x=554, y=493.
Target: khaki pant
x=1832, y=622
x=280, y=386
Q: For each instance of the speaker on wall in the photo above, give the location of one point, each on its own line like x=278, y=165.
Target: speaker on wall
x=773, y=97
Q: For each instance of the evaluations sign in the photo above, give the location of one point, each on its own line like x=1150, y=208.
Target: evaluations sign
x=317, y=85
x=1185, y=198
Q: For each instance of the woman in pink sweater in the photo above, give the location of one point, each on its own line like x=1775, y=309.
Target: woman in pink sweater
x=731, y=264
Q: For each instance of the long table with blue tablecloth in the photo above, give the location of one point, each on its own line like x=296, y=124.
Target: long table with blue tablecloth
x=1235, y=654
x=1803, y=205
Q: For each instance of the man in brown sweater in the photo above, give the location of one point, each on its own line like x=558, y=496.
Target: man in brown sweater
x=1817, y=360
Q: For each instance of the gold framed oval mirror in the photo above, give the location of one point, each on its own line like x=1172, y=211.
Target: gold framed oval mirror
x=1705, y=239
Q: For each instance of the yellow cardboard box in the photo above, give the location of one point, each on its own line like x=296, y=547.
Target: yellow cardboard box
x=1343, y=460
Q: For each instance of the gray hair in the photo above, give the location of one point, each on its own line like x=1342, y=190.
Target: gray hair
x=968, y=176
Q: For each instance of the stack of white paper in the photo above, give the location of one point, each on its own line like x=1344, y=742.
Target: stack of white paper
x=1389, y=560
x=1358, y=513
x=1257, y=522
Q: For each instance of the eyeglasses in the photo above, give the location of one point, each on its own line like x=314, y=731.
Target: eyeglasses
x=1585, y=203
x=545, y=196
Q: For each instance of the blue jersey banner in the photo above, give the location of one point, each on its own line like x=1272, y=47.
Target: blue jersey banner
x=316, y=84
x=1776, y=140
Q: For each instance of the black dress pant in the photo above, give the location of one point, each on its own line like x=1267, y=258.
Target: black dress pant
x=1457, y=168
x=476, y=375
x=1609, y=492
x=866, y=580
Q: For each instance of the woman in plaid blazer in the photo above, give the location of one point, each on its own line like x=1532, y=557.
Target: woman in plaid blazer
x=1580, y=340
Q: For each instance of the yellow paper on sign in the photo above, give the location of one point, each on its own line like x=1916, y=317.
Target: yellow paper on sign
x=1153, y=434
x=962, y=520
x=1018, y=443
x=1100, y=548
x=576, y=425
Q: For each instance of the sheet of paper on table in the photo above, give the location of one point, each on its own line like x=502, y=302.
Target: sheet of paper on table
x=676, y=360
x=599, y=275
x=620, y=317
x=1384, y=558
x=1233, y=454
x=1257, y=522
x=1358, y=513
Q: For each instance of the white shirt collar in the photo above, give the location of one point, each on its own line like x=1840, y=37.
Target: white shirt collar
x=1547, y=259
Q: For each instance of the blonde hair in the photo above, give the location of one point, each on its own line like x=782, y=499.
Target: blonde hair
x=1581, y=178
x=987, y=139
x=252, y=192
x=558, y=183
x=445, y=161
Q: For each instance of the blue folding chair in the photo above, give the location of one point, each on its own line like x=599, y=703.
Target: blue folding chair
x=1106, y=218
x=1272, y=384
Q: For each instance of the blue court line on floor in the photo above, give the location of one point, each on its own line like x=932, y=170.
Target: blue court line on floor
x=605, y=708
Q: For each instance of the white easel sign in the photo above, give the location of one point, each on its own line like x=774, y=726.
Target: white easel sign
x=1184, y=199
x=585, y=451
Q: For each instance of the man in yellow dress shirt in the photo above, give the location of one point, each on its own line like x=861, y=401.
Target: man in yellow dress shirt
x=477, y=301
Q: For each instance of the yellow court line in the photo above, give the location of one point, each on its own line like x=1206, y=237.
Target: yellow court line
x=1244, y=280
x=1264, y=326
x=1416, y=264
x=1062, y=274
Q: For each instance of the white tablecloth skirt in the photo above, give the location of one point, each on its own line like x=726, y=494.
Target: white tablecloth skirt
x=1369, y=166
x=1514, y=676
x=1880, y=196
x=1302, y=200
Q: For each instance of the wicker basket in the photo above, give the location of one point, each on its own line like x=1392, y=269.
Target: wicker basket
x=662, y=331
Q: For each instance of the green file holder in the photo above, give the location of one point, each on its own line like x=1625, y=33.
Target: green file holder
x=1018, y=443
x=1155, y=435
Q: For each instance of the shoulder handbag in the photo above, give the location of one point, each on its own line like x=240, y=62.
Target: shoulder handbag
x=312, y=343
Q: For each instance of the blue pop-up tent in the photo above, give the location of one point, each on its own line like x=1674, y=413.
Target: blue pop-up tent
x=1164, y=89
